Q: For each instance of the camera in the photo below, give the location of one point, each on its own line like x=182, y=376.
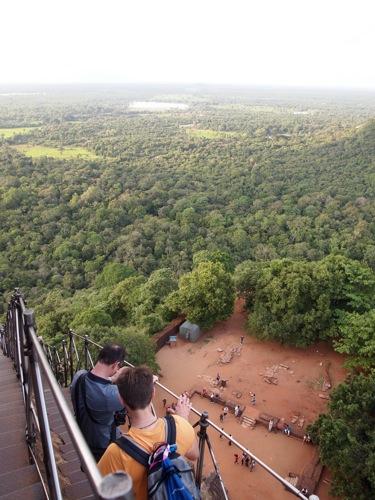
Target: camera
x=119, y=418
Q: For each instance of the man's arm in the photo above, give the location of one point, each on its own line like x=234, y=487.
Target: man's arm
x=183, y=408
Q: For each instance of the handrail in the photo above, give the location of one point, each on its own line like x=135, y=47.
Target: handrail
x=203, y=417
x=30, y=359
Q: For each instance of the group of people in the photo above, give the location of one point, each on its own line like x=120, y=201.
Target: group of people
x=245, y=459
x=109, y=390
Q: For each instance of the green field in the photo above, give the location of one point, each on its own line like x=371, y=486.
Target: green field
x=38, y=151
x=208, y=134
x=10, y=132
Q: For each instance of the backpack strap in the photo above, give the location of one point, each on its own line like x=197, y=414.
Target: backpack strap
x=170, y=429
x=135, y=451
x=76, y=394
x=81, y=384
x=132, y=449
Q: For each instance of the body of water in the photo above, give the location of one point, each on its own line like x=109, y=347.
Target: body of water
x=157, y=105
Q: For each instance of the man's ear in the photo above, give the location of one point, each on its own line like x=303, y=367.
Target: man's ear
x=122, y=401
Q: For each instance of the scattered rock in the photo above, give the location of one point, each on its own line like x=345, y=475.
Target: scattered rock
x=323, y=396
x=226, y=357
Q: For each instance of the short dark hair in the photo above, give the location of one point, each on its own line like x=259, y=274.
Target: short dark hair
x=111, y=353
x=135, y=386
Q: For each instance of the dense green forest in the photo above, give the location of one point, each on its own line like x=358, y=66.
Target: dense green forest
x=120, y=211
x=259, y=174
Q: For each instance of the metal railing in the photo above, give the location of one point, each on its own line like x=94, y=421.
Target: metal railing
x=60, y=367
x=20, y=342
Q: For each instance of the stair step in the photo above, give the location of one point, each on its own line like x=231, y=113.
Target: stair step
x=67, y=447
x=21, y=477
x=10, y=380
x=78, y=491
x=11, y=396
x=13, y=457
x=34, y=491
x=76, y=477
x=16, y=436
x=70, y=466
x=10, y=420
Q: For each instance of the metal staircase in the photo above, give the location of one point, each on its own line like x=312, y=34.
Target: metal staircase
x=73, y=481
x=18, y=476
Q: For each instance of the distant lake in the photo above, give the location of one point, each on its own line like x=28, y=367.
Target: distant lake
x=157, y=105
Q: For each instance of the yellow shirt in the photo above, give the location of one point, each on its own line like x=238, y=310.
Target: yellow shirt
x=115, y=459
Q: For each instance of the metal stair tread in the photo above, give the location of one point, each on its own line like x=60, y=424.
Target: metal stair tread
x=13, y=457
x=21, y=477
x=11, y=421
x=11, y=395
x=15, y=436
x=78, y=491
x=70, y=466
x=34, y=491
x=76, y=476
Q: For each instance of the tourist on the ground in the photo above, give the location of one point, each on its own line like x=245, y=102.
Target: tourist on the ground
x=286, y=429
x=306, y=439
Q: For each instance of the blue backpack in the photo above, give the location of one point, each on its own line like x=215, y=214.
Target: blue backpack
x=169, y=476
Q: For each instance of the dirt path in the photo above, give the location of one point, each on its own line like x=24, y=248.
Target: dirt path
x=301, y=376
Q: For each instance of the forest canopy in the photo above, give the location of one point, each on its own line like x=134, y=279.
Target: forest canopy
x=239, y=176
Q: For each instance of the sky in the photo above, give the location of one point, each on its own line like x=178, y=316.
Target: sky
x=325, y=43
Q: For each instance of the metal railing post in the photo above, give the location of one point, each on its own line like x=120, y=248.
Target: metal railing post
x=65, y=368
x=86, y=352
x=71, y=354
x=48, y=453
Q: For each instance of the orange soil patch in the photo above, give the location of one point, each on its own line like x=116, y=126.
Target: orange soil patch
x=301, y=375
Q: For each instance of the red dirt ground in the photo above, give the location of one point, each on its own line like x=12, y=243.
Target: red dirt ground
x=187, y=365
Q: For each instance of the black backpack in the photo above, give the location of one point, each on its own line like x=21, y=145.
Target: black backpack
x=169, y=475
x=81, y=386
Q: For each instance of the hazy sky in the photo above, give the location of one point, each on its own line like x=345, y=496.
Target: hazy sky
x=288, y=42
